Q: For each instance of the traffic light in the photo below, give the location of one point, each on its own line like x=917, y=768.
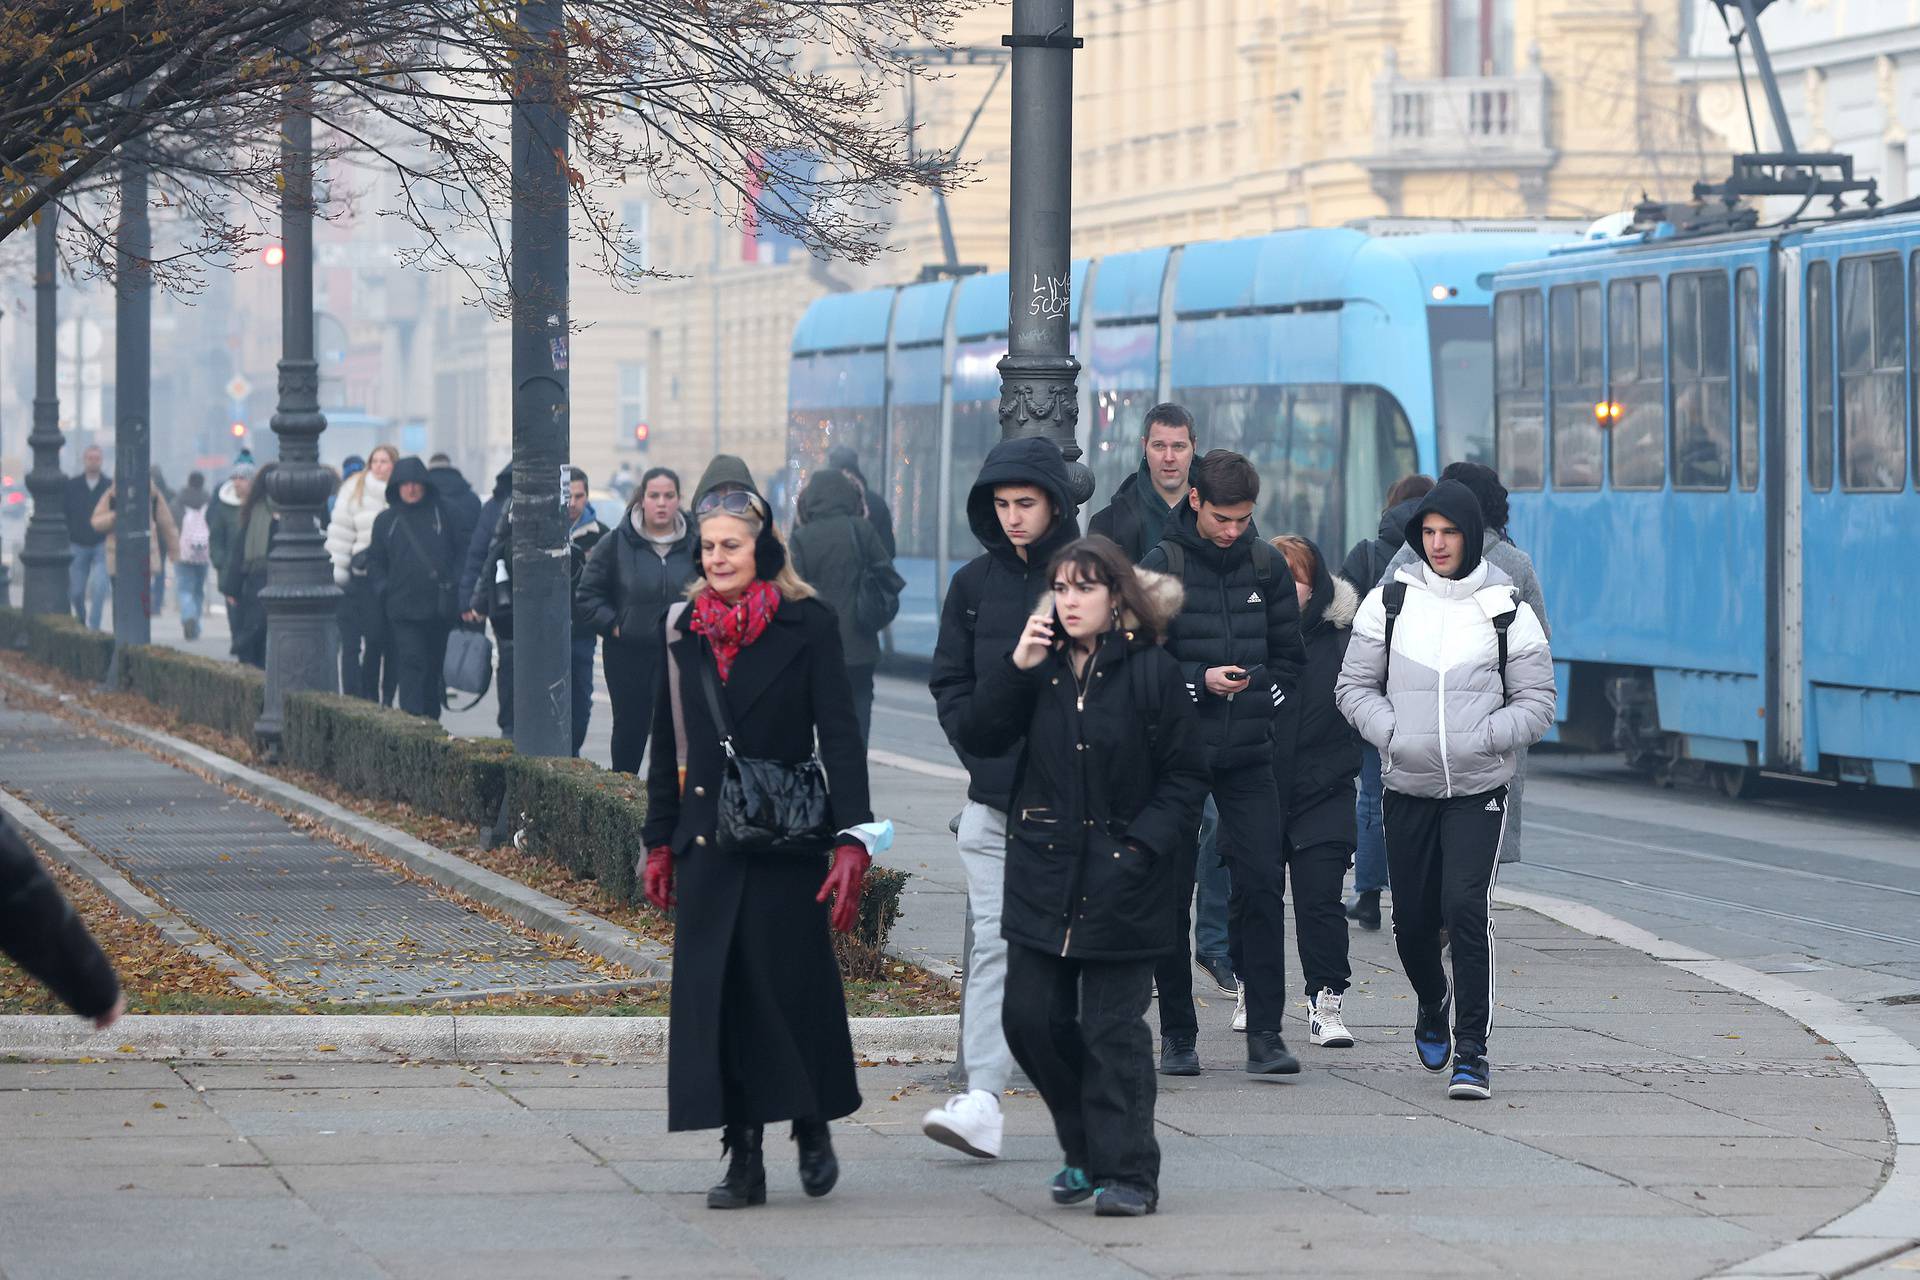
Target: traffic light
x=238, y=430
x=641, y=433
x=274, y=254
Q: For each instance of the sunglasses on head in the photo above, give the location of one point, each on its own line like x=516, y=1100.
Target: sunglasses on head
x=735, y=502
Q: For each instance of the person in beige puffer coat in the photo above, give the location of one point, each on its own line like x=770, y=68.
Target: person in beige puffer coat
x=164, y=539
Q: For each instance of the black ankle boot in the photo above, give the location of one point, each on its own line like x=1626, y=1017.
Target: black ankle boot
x=746, y=1180
x=819, y=1168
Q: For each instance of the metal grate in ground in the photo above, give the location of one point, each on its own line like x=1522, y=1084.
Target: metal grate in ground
x=321, y=921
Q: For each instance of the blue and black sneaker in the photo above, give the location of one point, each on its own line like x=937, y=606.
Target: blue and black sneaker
x=1117, y=1200
x=1471, y=1080
x=1071, y=1185
x=1433, y=1035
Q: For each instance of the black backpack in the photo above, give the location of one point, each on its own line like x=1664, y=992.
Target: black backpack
x=1394, y=596
x=1263, y=558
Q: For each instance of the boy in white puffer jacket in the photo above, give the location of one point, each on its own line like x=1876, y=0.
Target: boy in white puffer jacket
x=1469, y=684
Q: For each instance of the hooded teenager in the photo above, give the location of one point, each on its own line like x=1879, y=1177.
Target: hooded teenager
x=834, y=548
x=1020, y=511
x=1315, y=757
x=879, y=514
x=1449, y=724
x=414, y=565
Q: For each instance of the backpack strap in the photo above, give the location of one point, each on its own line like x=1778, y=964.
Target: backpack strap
x=1501, y=621
x=1264, y=554
x=1393, y=597
x=1176, y=561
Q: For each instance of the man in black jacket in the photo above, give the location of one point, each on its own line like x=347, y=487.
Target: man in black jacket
x=474, y=592
x=1136, y=519
x=87, y=571
x=1020, y=511
x=1238, y=640
x=414, y=569
x=1147, y=499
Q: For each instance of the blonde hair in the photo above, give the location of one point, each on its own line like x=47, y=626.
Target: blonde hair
x=789, y=583
x=360, y=478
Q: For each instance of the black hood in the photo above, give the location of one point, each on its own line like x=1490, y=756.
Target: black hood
x=829, y=493
x=448, y=483
x=1032, y=460
x=1456, y=502
x=724, y=469
x=843, y=458
x=408, y=471
x=1322, y=595
x=502, y=484
x=1393, y=522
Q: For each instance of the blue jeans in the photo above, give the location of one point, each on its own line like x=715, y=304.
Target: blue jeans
x=1213, y=882
x=190, y=583
x=1370, y=853
x=87, y=584
x=582, y=686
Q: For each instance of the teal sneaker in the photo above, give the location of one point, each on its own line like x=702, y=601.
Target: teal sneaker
x=1071, y=1185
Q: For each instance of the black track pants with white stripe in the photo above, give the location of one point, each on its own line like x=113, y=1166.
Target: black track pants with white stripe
x=1441, y=855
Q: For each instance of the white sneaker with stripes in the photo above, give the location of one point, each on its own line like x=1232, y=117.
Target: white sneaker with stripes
x=1324, y=1026
x=1239, y=1022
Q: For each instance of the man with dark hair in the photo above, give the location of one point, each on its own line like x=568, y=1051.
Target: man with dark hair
x=1237, y=638
x=1147, y=499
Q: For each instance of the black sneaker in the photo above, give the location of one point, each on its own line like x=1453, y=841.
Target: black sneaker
x=1117, y=1200
x=1365, y=910
x=1071, y=1185
x=1267, y=1055
x=1178, y=1056
x=1471, y=1081
x=1220, y=969
x=1433, y=1035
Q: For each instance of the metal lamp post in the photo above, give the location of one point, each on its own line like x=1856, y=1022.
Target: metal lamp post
x=132, y=436
x=301, y=600
x=47, y=554
x=1038, y=395
x=542, y=584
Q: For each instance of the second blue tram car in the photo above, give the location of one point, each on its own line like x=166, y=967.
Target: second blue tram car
x=1711, y=448
x=1336, y=360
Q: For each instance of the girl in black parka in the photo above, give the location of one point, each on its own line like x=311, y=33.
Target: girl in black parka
x=1106, y=804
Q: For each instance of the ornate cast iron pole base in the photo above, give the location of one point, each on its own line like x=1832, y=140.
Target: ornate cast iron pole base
x=47, y=554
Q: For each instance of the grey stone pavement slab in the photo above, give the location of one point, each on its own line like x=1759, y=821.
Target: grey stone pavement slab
x=1611, y=1147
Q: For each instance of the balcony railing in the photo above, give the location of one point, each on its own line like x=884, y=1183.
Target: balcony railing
x=1460, y=122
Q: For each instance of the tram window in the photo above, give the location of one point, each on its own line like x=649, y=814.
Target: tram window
x=1820, y=377
x=1379, y=450
x=1702, y=390
x=1747, y=320
x=1519, y=382
x=913, y=479
x=1636, y=385
x=1574, y=339
x=1291, y=434
x=1873, y=374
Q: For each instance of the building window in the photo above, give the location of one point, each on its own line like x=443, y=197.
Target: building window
x=1479, y=37
x=1702, y=385
x=1747, y=322
x=632, y=402
x=1520, y=379
x=637, y=217
x=1873, y=374
x=1820, y=377
x=1636, y=381
x=1574, y=345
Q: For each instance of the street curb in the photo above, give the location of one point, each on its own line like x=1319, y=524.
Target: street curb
x=530, y=907
x=416, y=1037
x=1888, y=1223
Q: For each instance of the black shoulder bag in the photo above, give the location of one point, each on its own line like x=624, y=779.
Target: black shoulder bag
x=765, y=805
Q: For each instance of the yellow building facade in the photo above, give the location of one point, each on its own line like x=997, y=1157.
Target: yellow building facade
x=1194, y=119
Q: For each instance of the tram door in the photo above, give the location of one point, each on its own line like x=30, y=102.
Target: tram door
x=1786, y=435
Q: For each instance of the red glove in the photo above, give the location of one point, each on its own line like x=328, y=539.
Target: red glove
x=850, y=863
x=656, y=878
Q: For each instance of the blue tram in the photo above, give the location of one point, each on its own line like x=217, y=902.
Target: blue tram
x=1710, y=443
x=1335, y=359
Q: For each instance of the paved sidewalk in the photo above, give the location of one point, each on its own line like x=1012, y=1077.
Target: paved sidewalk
x=322, y=922
x=1645, y=1123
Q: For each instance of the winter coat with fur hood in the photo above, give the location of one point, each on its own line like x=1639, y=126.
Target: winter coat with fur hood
x=350, y=530
x=1107, y=790
x=1437, y=713
x=1316, y=753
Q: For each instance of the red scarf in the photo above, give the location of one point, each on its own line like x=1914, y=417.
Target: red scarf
x=729, y=628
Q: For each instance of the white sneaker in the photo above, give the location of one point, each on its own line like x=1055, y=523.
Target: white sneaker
x=970, y=1122
x=1324, y=1026
x=1239, y=1022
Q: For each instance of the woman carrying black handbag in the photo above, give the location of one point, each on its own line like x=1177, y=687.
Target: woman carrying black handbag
x=758, y=1032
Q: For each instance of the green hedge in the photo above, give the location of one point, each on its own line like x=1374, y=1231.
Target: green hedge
x=13, y=628
x=581, y=816
x=385, y=754
x=225, y=696
x=60, y=642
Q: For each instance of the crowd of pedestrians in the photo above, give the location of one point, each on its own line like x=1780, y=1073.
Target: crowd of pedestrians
x=1165, y=725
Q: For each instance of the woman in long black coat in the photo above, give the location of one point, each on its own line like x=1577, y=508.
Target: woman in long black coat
x=758, y=1031
x=1111, y=781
